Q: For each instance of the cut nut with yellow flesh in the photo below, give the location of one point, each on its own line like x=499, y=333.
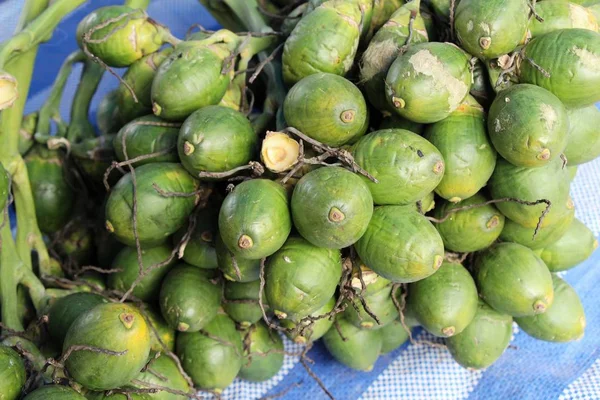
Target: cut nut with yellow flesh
x=8, y=90
x=279, y=152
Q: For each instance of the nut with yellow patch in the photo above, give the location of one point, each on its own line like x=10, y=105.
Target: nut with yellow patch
x=279, y=152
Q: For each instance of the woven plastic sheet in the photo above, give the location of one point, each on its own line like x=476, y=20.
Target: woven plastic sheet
x=529, y=369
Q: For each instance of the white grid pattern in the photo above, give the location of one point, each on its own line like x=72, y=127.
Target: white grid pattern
x=586, y=387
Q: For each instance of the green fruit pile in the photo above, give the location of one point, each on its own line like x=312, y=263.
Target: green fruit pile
x=410, y=166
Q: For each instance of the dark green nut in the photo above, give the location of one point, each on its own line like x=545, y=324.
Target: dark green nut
x=12, y=373
x=156, y=261
x=235, y=268
x=354, y=347
x=147, y=135
x=139, y=77
x=216, y=139
x=188, y=299
x=65, y=311
x=152, y=180
x=291, y=288
x=254, y=220
x=241, y=302
x=203, y=83
x=263, y=358
x=311, y=331
x=212, y=357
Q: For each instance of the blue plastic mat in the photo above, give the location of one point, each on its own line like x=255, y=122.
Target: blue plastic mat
x=529, y=369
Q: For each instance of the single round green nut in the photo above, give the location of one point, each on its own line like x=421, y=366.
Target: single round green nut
x=428, y=82
x=156, y=263
x=565, y=63
x=492, y=29
x=484, y=340
x=406, y=166
x=241, y=302
x=564, y=321
x=545, y=236
x=336, y=119
x=161, y=334
x=393, y=335
x=139, y=77
x=66, y=310
x=528, y=125
x=549, y=182
x=147, y=135
x=12, y=373
x=200, y=250
x=384, y=47
x=114, y=327
x=54, y=392
x=174, y=98
x=173, y=211
x=235, y=268
x=164, y=372
x=354, y=347
x=291, y=290
x=188, y=299
x=216, y=139
x=119, y=35
x=463, y=142
x=310, y=331
x=513, y=280
x=572, y=248
x=401, y=245
x=446, y=302
x=583, y=143
x=379, y=303
x=212, y=357
x=264, y=354
x=469, y=230
x=559, y=14
x=53, y=195
x=325, y=40
x=254, y=220
x=331, y=207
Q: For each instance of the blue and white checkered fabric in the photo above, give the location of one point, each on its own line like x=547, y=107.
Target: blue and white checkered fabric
x=530, y=369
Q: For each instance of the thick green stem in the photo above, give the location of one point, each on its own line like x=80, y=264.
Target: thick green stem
x=143, y=4
x=80, y=127
x=10, y=266
x=38, y=30
x=51, y=108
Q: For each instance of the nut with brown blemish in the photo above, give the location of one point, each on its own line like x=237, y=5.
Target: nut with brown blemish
x=336, y=215
x=347, y=116
x=188, y=148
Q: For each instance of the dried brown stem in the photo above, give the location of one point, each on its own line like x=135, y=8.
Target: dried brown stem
x=538, y=67
x=343, y=155
x=283, y=392
x=129, y=162
x=256, y=168
x=264, y=63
